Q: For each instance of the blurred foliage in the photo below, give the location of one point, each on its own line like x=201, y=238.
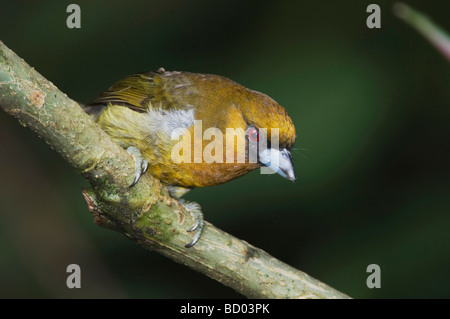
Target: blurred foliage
x=372, y=111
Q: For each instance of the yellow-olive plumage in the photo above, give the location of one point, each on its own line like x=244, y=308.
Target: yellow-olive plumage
x=143, y=109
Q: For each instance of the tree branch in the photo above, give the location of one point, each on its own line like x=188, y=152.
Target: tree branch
x=425, y=26
x=145, y=213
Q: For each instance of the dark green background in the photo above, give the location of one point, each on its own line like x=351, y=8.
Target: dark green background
x=372, y=112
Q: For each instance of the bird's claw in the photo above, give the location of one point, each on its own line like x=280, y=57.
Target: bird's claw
x=197, y=215
x=196, y=225
x=140, y=164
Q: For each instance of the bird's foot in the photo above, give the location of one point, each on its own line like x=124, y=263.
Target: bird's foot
x=195, y=210
x=140, y=164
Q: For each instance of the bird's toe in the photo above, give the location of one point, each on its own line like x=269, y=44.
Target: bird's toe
x=197, y=216
x=140, y=164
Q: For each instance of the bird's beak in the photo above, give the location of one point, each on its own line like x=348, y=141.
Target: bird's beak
x=279, y=161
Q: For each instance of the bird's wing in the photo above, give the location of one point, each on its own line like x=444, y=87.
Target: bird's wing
x=135, y=91
x=159, y=90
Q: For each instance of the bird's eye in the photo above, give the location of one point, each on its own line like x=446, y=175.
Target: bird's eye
x=253, y=135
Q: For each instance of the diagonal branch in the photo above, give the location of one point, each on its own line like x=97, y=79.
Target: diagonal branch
x=145, y=213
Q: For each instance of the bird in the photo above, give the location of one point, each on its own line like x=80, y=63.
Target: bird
x=142, y=112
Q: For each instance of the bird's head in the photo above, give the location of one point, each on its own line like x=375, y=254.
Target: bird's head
x=270, y=133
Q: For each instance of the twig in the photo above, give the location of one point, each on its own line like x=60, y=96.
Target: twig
x=437, y=37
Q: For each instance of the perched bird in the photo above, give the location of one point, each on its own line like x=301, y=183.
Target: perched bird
x=142, y=112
